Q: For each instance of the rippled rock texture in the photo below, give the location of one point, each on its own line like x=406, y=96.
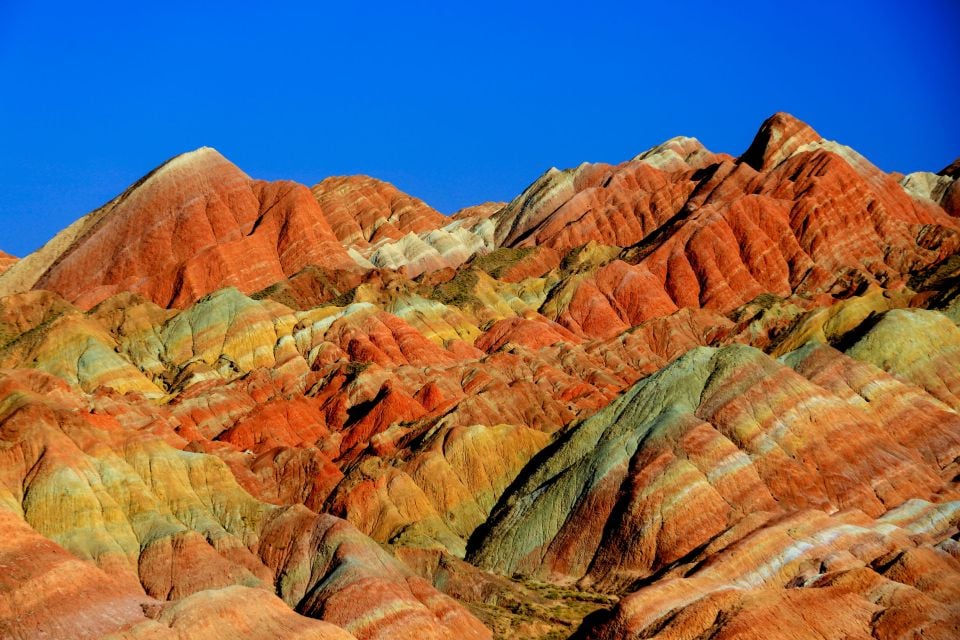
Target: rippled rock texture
x=689, y=395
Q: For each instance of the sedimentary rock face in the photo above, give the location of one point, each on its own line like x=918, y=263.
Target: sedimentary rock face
x=687, y=395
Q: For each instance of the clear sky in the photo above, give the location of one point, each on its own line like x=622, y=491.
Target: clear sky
x=456, y=103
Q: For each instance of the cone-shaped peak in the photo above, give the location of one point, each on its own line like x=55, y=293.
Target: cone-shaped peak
x=201, y=152
x=779, y=136
x=201, y=160
x=190, y=226
x=679, y=153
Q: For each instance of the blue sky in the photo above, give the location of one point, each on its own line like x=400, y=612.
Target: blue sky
x=456, y=104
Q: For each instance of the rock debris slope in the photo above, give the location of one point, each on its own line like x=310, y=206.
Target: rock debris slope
x=688, y=395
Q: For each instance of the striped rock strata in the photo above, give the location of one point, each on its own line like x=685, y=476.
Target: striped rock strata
x=685, y=395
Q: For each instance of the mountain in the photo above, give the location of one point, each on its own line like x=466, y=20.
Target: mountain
x=688, y=395
x=363, y=210
x=384, y=227
x=193, y=225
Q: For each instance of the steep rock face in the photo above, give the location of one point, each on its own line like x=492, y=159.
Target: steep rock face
x=941, y=188
x=780, y=136
x=950, y=200
x=195, y=224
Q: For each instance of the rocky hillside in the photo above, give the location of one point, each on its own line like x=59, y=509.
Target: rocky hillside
x=688, y=395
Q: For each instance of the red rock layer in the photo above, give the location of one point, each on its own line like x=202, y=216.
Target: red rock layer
x=228, y=468
x=363, y=210
x=716, y=436
x=478, y=211
x=779, y=137
x=194, y=225
x=613, y=205
x=817, y=221
x=807, y=576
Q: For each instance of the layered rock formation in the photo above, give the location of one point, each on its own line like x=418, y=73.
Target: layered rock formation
x=195, y=224
x=714, y=438
x=383, y=227
x=363, y=210
x=687, y=395
x=809, y=575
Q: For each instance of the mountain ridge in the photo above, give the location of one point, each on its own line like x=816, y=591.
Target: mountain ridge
x=669, y=396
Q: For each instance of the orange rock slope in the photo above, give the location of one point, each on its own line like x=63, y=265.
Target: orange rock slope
x=195, y=224
x=688, y=395
x=6, y=261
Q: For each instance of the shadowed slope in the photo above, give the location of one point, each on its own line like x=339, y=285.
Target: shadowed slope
x=690, y=451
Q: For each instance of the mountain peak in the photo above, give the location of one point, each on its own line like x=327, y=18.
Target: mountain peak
x=677, y=154
x=190, y=226
x=778, y=138
x=200, y=154
x=200, y=160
